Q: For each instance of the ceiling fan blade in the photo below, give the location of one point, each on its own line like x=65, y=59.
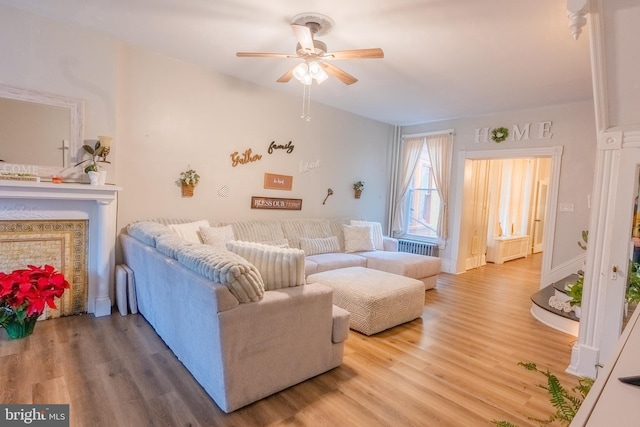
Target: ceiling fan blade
x=304, y=36
x=287, y=76
x=264, y=55
x=341, y=75
x=355, y=54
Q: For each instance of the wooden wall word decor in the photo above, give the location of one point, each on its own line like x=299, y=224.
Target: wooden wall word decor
x=244, y=158
x=276, y=203
x=278, y=182
x=288, y=147
x=517, y=132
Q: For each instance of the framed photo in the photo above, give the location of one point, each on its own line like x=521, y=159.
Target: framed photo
x=278, y=182
x=276, y=203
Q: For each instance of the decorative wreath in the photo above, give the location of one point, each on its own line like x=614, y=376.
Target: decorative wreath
x=499, y=134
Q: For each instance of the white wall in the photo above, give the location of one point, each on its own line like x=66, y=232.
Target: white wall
x=40, y=54
x=572, y=127
x=166, y=115
x=172, y=114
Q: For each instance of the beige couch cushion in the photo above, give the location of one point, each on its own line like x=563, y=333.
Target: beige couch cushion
x=217, y=236
x=332, y=261
x=403, y=263
x=295, y=229
x=278, y=267
x=358, y=238
x=189, y=230
x=319, y=245
x=258, y=230
x=376, y=233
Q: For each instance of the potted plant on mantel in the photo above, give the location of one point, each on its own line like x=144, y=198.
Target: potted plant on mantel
x=188, y=180
x=98, y=154
x=358, y=187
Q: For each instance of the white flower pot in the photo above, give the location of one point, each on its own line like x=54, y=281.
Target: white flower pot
x=577, y=311
x=94, y=177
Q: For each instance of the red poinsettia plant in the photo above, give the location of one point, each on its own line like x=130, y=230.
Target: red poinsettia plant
x=24, y=293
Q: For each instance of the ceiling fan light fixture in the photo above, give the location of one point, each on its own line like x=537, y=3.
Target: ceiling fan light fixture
x=321, y=76
x=307, y=79
x=314, y=69
x=301, y=71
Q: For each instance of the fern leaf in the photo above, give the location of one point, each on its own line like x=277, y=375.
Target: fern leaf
x=558, y=398
x=503, y=423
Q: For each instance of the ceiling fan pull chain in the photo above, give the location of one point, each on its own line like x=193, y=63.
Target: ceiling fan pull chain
x=308, y=118
x=306, y=102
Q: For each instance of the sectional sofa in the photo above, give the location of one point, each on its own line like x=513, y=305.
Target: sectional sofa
x=233, y=303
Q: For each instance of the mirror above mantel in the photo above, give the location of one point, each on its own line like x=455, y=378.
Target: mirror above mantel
x=41, y=129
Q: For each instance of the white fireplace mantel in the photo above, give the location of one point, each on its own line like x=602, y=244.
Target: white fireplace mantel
x=34, y=200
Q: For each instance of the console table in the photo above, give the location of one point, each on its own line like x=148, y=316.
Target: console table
x=611, y=402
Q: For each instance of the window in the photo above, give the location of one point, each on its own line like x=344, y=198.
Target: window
x=420, y=193
x=423, y=201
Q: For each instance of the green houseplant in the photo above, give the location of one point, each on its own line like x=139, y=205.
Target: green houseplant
x=566, y=402
x=97, y=154
x=358, y=187
x=188, y=180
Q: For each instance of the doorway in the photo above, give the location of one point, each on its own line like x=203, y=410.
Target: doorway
x=472, y=220
x=507, y=204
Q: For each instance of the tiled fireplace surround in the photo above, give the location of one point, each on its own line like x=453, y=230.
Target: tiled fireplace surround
x=31, y=201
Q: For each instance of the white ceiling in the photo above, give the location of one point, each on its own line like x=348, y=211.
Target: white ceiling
x=443, y=58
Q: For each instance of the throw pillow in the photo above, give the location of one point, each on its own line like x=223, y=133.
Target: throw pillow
x=357, y=238
x=278, y=267
x=189, y=230
x=217, y=236
x=320, y=245
x=376, y=229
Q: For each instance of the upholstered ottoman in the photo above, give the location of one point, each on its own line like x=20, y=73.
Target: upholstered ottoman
x=422, y=267
x=377, y=300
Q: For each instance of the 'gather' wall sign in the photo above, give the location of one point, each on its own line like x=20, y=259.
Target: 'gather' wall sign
x=245, y=158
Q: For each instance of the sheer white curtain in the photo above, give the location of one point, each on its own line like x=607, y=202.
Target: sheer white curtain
x=411, y=149
x=440, y=147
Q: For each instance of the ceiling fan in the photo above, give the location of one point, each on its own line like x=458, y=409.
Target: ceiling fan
x=306, y=27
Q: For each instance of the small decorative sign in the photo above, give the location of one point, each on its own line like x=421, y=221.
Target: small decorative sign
x=307, y=166
x=278, y=182
x=276, y=203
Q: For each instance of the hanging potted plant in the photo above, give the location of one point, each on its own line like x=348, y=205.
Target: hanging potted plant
x=358, y=187
x=188, y=180
x=98, y=154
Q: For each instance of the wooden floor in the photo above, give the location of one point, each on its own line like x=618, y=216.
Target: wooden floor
x=455, y=366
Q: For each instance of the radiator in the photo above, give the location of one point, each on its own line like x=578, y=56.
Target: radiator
x=415, y=247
